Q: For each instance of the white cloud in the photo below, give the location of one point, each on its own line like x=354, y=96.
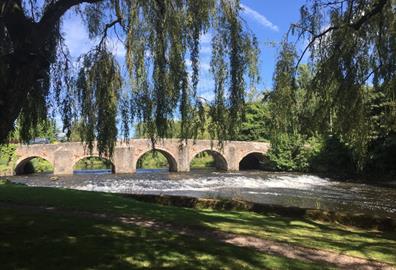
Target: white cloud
x=116, y=46
x=78, y=42
x=261, y=19
x=76, y=36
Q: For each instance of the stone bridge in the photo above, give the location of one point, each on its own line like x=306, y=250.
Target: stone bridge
x=64, y=156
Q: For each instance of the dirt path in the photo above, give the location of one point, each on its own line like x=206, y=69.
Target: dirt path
x=340, y=261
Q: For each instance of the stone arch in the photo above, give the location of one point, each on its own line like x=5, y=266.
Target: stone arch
x=220, y=161
x=172, y=163
x=21, y=163
x=253, y=161
x=113, y=168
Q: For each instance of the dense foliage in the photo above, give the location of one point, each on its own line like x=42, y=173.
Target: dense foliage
x=256, y=122
x=38, y=78
x=344, y=99
x=43, y=130
x=7, y=157
x=152, y=160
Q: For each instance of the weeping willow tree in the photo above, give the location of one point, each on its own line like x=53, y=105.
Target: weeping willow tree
x=283, y=104
x=38, y=78
x=352, y=46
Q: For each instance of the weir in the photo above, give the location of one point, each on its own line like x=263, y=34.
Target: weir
x=63, y=156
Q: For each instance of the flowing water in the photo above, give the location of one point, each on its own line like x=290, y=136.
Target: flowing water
x=288, y=189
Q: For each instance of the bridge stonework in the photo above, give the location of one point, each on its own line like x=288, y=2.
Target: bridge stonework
x=64, y=156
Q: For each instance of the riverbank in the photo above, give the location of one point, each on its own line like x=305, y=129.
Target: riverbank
x=62, y=234
x=285, y=189
x=356, y=220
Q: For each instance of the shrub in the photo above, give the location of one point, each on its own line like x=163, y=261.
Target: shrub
x=333, y=156
x=38, y=165
x=7, y=157
x=289, y=153
x=382, y=156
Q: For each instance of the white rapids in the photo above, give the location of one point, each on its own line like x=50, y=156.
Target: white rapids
x=203, y=184
x=289, y=189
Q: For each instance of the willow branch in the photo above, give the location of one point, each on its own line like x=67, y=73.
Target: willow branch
x=377, y=8
x=55, y=11
x=107, y=27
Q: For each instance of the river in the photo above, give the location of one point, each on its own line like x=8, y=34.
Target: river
x=288, y=189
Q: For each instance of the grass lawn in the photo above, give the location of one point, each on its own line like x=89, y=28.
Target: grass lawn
x=53, y=241
x=102, y=245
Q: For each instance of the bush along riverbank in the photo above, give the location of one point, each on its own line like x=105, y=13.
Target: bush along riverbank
x=331, y=157
x=7, y=159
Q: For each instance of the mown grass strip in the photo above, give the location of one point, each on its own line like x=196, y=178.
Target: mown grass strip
x=380, y=246
x=56, y=241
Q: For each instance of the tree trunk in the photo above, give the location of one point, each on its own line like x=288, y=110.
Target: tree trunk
x=26, y=53
x=19, y=79
x=25, y=47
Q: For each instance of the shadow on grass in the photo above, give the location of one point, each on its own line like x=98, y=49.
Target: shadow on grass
x=53, y=241
x=375, y=245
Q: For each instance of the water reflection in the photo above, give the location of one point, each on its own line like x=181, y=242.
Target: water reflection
x=100, y=171
x=287, y=189
x=161, y=170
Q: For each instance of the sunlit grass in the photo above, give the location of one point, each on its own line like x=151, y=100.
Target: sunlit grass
x=57, y=241
x=375, y=245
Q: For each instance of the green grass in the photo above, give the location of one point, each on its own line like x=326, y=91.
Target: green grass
x=32, y=240
x=375, y=245
x=54, y=241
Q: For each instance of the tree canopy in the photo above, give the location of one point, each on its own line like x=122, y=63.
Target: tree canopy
x=37, y=76
x=347, y=90
x=352, y=45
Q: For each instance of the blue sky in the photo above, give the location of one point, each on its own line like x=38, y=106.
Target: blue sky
x=280, y=13
x=269, y=20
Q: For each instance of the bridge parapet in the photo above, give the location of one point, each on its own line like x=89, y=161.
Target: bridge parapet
x=64, y=156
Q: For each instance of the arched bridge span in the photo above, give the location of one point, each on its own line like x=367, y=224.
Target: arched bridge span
x=63, y=156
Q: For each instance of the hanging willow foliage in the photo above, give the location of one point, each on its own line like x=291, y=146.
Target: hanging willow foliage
x=162, y=34
x=352, y=46
x=98, y=87
x=162, y=41
x=234, y=52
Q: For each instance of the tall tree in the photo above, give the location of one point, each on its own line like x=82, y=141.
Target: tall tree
x=256, y=122
x=36, y=73
x=352, y=45
x=283, y=103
